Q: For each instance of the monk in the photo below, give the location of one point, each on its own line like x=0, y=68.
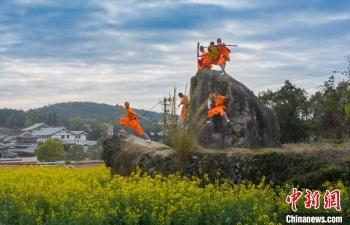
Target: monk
x=185, y=107
x=224, y=54
x=131, y=120
x=204, y=61
x=214, y=53
x=218, y=108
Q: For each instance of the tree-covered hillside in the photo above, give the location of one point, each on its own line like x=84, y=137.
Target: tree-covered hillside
x=73, y=115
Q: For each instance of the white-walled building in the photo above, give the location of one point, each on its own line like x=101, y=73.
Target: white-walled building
x=40, y=132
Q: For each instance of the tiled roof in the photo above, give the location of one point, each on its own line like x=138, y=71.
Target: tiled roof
x=35, y=126
x=47, y=131
x=3, y=146
x=78, y=132
x=30, y=149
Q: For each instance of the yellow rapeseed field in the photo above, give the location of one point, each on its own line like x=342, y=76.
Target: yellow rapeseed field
x=64, y=196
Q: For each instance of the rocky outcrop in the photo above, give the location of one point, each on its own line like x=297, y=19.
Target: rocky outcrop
x=310, y=167
x=124, y=153
x=252, y=123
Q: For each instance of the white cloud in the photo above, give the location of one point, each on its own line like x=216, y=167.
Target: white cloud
x=113, y=65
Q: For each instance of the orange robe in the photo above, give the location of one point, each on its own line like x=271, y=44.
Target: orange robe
x=185, y=107
x=204, y=62
x=224, y=54
x=131, y=120
x=219, y=108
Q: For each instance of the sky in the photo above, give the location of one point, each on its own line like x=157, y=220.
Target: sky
x=114, y=51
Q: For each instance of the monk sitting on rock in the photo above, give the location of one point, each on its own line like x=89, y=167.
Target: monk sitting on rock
x=131, y=120
x=204, y=62
x=218, y=108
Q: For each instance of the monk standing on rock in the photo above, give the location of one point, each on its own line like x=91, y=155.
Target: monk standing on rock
x=185, y=107
x=224, y=54
x=131, y=120
x=219, y=108
x=204, y=62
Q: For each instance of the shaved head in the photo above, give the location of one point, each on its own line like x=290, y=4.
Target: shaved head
x=126, y=104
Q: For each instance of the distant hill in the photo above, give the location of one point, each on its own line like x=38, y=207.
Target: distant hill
x=91, y=111
x=62, y=113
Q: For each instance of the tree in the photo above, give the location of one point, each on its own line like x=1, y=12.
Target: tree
x=290, y=105
x=16, y=120
x=95, y=152
x=99, y=131
x=52, y=119
x=77, y=123
x=327, y=108
x=76, y=152
x=50, y=151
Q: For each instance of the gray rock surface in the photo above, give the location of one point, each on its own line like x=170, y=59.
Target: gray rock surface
x=123, y=153
x=252, y=123
x=305, y=166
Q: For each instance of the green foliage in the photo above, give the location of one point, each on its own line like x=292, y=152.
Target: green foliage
x=12, y=118
x=289, y=103
x=50, y=151
x=347, y=110
x=75, y=153
x=74, y=116
x=306, y=169
x=181, y=141
x=327, y=109
x=98, y=131
x=95, y=152
x=320, y=116
x=77, y=123
x=90, y=196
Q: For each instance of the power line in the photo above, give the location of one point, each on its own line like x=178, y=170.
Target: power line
x=294, y=80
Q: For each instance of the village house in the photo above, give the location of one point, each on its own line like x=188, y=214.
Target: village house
x=40, y=132
x=25, y=144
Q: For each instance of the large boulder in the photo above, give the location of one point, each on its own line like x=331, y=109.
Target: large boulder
x=305, y=165
x=252, y=123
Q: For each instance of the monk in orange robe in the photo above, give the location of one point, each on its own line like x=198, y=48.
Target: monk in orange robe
x=131, y=120
x=219, y=108
x=224, y=54
x=185, y=107
x=204, y=62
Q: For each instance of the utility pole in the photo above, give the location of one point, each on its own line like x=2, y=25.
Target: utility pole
x=169, y=109
x=164, y=104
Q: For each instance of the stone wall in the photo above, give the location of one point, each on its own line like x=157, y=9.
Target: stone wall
x=124, y=153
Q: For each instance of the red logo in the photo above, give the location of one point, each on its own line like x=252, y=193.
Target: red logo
x=293, y=198
x=312, y=199
x=330, y=199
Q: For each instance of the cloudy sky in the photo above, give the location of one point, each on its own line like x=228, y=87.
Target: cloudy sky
x=110, y=51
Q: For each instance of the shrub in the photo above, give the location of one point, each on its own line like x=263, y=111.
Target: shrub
x=181, y=141
x=50, y=151
x=76, y=152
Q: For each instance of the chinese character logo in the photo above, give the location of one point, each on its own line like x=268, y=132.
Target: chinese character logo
x=312, y=199
x=293, y=198
x=330, y=199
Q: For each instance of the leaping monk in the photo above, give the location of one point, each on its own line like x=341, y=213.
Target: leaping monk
x=131, y=120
